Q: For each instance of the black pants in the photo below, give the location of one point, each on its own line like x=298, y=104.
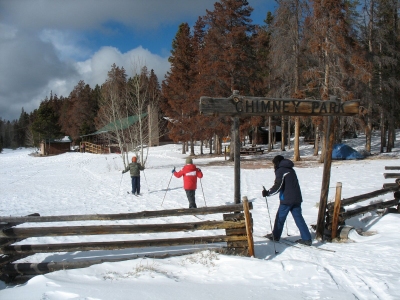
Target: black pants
x=191, y=197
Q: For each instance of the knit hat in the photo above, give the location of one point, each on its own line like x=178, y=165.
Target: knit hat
x=133, y=158
x=189, y=161
x=276, y=160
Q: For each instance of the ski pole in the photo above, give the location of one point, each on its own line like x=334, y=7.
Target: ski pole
x=270, y=223
x=119, y=189
x=167, y=189
x=203, y=193
x=145, y=179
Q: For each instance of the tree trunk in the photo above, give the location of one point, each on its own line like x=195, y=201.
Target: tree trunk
x=316, y=141
x=289, y=133
x=391, y=134
x=219, y=144
x=383, y=131
x=191, y=147
x=283, y=133
x=184, y=148
x=323, y=140
x=270, y=141
x=296, y=154
x=368, y=129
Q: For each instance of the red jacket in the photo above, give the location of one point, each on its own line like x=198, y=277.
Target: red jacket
x=190, y=174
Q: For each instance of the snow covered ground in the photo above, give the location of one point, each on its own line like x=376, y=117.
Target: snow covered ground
x=366, y=267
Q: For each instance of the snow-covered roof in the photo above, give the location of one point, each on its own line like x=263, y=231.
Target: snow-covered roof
x=65, y=139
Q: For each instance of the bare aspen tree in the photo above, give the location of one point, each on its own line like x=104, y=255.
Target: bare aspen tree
x=110, y=113
x=129, y=109
x=142, y=102
x=137, y=102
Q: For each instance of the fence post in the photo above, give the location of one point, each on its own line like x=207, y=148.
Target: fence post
x=249, y=227
x=336, y=209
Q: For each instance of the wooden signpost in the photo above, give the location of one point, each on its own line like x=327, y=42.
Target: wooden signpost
x=242, y=106
x=237, y=106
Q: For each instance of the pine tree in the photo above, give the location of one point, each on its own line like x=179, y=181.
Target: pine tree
x=46, y=121
x=199, y=88
x=228, y=52
x=228, y=57
x=78, y=111
x=20, y=129
x=179, y=105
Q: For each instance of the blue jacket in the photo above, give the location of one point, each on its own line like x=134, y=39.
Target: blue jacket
x=286, y=183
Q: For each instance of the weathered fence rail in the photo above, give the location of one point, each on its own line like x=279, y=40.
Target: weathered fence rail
x=337, y=215
x=236, y=221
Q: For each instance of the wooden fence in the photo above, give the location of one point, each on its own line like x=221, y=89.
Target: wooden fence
x=337, y=215
x=236, y=221
x=93, y=148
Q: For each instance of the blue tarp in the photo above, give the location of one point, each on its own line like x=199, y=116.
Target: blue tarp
x=342, y=151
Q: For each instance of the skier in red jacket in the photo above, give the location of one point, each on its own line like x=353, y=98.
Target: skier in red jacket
x=190, y=174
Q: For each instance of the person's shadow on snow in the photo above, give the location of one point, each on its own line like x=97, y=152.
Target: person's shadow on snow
x=266, y=249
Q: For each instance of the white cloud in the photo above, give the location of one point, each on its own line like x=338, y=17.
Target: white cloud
x=68, y=44
x=33, y=69
x=94, y=70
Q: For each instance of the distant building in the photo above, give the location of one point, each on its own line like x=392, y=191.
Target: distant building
x=105, y=139
x=261, y=135
x=55, y=146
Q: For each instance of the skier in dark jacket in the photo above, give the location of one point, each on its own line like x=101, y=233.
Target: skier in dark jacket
x=190, y=174
x=287, y=185
x=134, y=169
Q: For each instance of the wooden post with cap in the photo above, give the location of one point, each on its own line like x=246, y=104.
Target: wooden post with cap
x=336, y=210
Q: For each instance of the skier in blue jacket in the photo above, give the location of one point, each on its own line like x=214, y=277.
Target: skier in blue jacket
x=287, y=185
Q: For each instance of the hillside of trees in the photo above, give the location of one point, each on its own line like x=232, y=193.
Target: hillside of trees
x=306, y=49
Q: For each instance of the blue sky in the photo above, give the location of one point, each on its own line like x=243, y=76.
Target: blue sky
x=49, y=45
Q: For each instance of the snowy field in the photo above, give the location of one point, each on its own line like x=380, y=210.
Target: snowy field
x=366, y=267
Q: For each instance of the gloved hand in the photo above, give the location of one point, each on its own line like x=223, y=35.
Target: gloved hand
x=265, y=193
x=198, y=169
x=173, y=171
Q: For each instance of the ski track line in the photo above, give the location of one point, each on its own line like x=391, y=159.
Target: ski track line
x=350, y=282
x=373, y=285
x=343, y=279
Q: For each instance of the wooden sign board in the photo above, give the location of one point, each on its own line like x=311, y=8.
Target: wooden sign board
x=242, y=106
